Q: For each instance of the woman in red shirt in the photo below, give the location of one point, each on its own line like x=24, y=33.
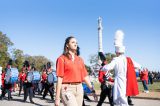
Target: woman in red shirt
x=71, y=72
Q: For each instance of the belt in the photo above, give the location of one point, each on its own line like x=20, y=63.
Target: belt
x=72, y=83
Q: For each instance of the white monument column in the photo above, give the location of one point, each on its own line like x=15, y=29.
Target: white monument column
x=100, y=49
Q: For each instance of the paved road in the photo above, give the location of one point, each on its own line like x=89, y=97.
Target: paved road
x=17, y=101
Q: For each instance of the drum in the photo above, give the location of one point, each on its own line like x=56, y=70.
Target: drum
x=11, y=75
x=50, y=78
x=36, y=76
x=55, y=76
x=30, y=76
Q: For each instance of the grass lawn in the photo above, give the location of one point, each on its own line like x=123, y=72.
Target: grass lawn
x=154, y=87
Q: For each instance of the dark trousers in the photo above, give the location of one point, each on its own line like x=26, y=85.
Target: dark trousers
x=129, y=100
x=43, y=87
x=50, y=88
x=36, y=88
x=20, y=87
x=105, y=91
x=28, y=90
x=3, y=92
x=6, y=89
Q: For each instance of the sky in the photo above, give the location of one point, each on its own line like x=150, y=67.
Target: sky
x=40, y=27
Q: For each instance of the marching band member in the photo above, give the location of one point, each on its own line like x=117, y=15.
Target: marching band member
x=28, y=87
x=22, y=77
x=125, y=83
x=43, y=78
x=49, y=85
x=106, y=86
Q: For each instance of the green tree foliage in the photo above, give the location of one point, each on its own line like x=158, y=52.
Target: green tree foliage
x=38, y=61
x=94, y=60
x=4, y=55
x=109, y=57
x=18, y=58
x=5, y=42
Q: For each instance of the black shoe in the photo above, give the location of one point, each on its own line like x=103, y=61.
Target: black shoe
x=52, y=99
x=131, y=104
x=9, y=99
x=89, y=100
x=32, y=102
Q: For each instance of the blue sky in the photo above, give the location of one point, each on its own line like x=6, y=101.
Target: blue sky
x=39, y=27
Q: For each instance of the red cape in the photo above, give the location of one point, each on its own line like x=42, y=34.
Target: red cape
x=132, y=85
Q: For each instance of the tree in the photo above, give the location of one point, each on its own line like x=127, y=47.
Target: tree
x=5, y=40
x=18, y=58
x=93, y=59
x=109, y=57
x=38, y=61
x=5, y=43
x=96, y=64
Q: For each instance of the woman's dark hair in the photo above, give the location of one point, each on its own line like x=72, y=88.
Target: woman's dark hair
x=78, y=50
x=66, y=50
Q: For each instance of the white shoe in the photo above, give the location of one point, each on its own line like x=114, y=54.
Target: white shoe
x=146, y=91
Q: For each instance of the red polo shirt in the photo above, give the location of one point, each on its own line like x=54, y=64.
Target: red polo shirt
x=144, y=75
x=71, y=71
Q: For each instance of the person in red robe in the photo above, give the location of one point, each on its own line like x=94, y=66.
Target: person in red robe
x=125, y=83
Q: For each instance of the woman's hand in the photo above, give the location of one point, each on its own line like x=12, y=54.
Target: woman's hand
x=57, y=102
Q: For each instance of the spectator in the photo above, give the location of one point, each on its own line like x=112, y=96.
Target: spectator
x=144, y=79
